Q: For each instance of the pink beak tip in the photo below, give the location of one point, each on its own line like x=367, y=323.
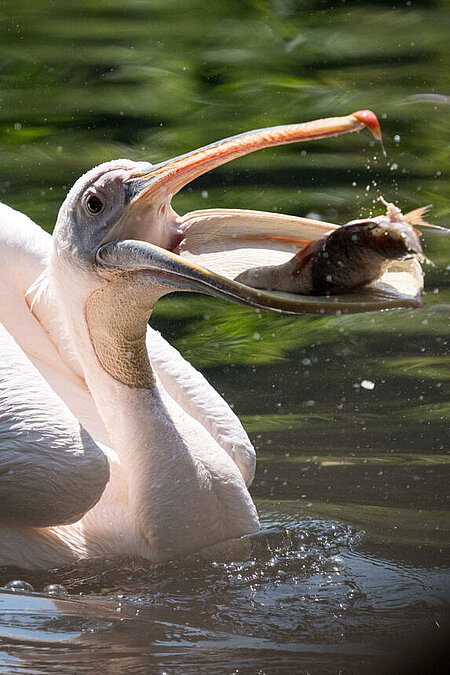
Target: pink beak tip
x=369, y=119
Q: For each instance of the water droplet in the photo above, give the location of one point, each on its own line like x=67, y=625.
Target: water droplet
x=19, y=586
x=56, y=590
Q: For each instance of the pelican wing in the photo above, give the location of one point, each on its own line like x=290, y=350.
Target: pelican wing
x=51, y=471
x=24, y=255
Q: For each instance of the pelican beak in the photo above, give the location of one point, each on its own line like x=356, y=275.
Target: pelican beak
x=203, y=251
x=171, y=272
x=166, y=179
x=148, y=214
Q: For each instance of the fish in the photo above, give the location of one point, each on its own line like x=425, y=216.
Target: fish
x=346, y=258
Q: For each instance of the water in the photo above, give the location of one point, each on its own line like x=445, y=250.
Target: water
x=350, y=572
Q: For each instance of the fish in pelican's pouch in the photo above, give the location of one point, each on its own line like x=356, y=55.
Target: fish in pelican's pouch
x=346, y=258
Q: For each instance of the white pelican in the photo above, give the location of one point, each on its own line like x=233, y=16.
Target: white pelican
x=111, y=443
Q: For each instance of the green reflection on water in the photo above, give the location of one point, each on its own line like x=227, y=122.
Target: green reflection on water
x=384, y=525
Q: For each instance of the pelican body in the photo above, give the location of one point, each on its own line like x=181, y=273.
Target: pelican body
x=110, y=442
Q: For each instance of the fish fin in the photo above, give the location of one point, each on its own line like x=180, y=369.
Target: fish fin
x=415, y=217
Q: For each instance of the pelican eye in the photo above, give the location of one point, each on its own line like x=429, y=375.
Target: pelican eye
x=93, y=204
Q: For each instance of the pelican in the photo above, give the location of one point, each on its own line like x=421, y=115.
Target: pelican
x=110, y=442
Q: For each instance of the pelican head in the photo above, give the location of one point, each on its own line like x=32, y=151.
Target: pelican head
x=118, y=220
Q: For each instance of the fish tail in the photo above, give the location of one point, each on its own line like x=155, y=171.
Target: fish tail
x=415, y=217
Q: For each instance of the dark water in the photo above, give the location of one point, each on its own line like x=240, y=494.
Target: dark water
x=350, y=572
